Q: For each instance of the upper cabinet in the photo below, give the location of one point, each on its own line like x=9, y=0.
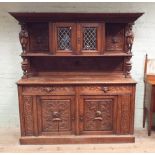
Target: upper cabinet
x=76, y=33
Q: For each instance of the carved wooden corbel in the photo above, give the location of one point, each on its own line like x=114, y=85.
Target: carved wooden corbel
x=25, y=67
x=129, y=35
x=128, y=67
x=23, y=36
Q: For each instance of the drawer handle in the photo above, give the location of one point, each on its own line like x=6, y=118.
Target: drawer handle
x=105, y=89
x=56, y=116
x=98, y=116
x=48, y=89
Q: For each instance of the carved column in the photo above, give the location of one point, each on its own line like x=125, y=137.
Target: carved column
x=23, y=36
x=128, y=67
x=25, y=67
x=129, y=35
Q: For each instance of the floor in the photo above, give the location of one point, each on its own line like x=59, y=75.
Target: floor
x=9, y=143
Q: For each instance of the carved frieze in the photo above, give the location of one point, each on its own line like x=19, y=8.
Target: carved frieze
x=114, y=89
x=48, y=90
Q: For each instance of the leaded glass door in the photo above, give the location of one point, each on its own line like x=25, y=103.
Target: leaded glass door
x=65, y=38
x=90, y=38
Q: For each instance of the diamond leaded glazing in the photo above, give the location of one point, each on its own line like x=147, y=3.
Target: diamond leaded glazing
x=64, y=38
x=89, y=38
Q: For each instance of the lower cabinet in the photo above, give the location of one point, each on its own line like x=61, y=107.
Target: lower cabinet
x=53, y=111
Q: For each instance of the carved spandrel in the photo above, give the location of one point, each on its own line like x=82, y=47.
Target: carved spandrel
x=23, y=36
x=129, y=35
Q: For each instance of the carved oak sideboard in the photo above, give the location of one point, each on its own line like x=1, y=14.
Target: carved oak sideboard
x=76, y=85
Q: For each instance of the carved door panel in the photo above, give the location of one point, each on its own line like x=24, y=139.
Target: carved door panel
x=97, y=114
x=64, y=35
x=38, y=37
x=90, y=38
x=56, y=115
x=115, y=37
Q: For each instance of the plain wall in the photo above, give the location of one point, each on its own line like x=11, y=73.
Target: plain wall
x=10, y=49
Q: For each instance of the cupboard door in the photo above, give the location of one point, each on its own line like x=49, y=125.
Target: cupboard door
x=90, y=38
x=56, y=115
x=97, y=114
x=65, y=38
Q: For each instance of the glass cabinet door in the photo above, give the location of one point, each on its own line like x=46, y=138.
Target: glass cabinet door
x=90, y=38
x=65, y=38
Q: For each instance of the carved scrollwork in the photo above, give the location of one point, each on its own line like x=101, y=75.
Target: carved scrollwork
x=23, y=36
x=129, y=38
x=128, y=67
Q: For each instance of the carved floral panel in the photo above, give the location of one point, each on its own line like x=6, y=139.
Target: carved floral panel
x=98, y=114
x=115, y=37
x=56, y=115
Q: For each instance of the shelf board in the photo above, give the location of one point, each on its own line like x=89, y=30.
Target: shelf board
x=85, y=55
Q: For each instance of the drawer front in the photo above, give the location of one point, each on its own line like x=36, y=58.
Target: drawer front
x=106, y=89
x=48, y=90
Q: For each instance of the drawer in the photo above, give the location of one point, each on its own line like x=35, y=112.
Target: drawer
x=106, y=89
x=48, y=90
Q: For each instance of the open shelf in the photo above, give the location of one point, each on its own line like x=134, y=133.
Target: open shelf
x=110, y=54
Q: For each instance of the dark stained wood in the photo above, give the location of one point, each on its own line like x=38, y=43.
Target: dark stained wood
x=76, y=86
x=108, y=17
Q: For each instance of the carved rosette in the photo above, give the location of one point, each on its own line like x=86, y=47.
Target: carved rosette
x=128, y=67
x=23, y=36
x=25, y=67
x=129, y=35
